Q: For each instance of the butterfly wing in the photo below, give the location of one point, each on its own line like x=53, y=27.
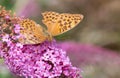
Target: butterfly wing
x=32, y=32
x=50, y=18
x=60, y=23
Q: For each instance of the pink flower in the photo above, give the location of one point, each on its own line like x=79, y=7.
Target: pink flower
x=44, y=60
x=41, y=61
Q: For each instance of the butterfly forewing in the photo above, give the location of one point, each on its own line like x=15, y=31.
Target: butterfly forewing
x=66, y=22
x=62, y=22
x=32, y=32
x=50, y=18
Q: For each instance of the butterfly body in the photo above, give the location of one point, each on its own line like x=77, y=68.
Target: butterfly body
x=56, y=24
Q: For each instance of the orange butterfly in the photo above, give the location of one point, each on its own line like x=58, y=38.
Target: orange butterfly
x=56, y=24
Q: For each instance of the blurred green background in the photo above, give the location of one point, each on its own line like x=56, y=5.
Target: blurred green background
x=100, y=27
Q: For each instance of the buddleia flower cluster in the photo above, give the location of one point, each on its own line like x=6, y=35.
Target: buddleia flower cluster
x=44, y=60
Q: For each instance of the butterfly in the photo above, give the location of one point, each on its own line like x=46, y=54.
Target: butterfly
x=56, y=24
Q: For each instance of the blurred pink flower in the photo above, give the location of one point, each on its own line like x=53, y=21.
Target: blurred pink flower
x=84, y=54
x=30, y=9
